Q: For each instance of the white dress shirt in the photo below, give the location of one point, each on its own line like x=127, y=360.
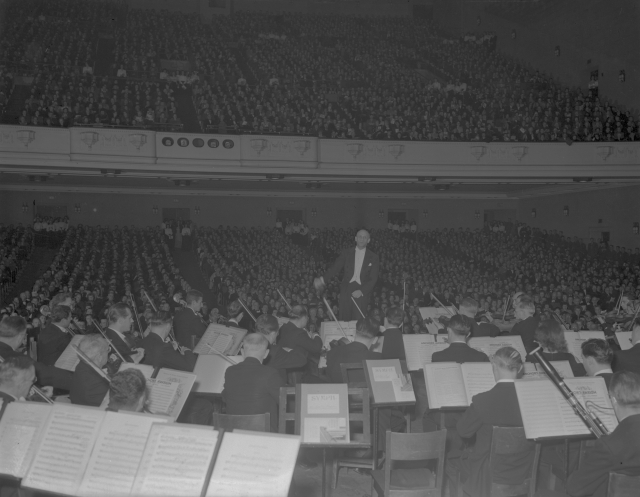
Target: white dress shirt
x=358, y=265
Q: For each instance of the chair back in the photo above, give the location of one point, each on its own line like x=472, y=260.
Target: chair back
x=415, y=447
x=512, y=442
x=287, y=410
x=623, y=485
x=252, y=422
x=348, y=369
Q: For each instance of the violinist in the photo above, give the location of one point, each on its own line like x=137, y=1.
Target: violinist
x=55, y=337
x=469, y=308
x=119, y=333
x=17, y=375
x=89, y=387
x=629, y=359
x=187, y=323
x=160, y=351
x=294, y=335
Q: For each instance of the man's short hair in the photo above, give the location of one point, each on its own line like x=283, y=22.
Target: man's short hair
x=598, y=349
x=469, y=305
x=12, y=326
x=460, y=325
x=12, y=366
x=395, y=315
x=298, y=311
x=367, y=327
x=508, y=358
x=266, y=324
x=526, y=304
x=117, y=311
x=625, y=388
x=255, y=343
x=126, y=389
x=234, y=308
x=59, y=299
x=193, y=297
x=60, y=312
x=93, y=345
x=160, y=318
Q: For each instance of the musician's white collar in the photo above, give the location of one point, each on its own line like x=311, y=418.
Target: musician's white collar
x=505, y=380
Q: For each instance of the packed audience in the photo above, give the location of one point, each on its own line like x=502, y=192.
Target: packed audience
x=325, y=76
x=16, y=246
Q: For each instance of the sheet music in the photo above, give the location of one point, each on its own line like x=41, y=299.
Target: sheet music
x=624, y=339
x=210, y=370
x=478, y=377
x=20, y=429
x=403, y=389
x=161, y=395
x=575, y=339
x=490, y=345
x=436, y=312
x=69, y=359
x=222, y=342
x=117, y=453
x=175, y=461
x=250, y=463
x=325, y=430
x=594, y=390
x=185, y=380
x=536, y=372
x=445, y=385
x=418, y=350
x=214, y=332
x=64, y=449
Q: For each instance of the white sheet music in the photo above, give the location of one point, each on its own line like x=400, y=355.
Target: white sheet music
x=592, y=393
x=161, y=395
x=624, y=339
x=117, y=453
x=69, y=359
x=20, y=429
x=445, y=386
x=175, y=461
x=210, y=370
x=222, y=342
x=418, y=350
x=478, y=378
x=252, y=464
x=185, y=380
x=64, y=449
x=490, y=345
x=575, y=339
x=436, y=312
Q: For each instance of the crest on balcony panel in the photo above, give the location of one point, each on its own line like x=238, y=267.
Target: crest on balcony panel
x=25, y=136
x=396, y=150
x=354, y=149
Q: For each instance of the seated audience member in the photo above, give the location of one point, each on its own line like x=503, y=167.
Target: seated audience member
x=189, y=326
x=393, y=344
x=294, y=336
x=250, y=387
x=89, y=387
x=629, y=360
x=596, y=359
x=235, y=314
x=55, y=337
x=356, y=351
x=17, y=375
x=159, y=352
x=127, y=391
x=550, y=336
x=469, y=307
x=458, y=330
x=617, y=452
x=13, y=335
x=525, y=310
x=497, y=407
x=279, y=358
x=119, y=333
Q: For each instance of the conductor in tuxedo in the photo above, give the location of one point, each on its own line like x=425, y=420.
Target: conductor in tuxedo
x=119, y=334
x=55, y=337
x=159, y=352
x=189, y=326
x=629, y=360
x=249, y=386
x=617, y=452
x=17, y=375
x=360, y=268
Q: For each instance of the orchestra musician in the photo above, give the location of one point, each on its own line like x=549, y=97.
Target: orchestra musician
x=17, y=375
x=127, y=391
x=188, y=323
x=525, y=310
x=550, y=336
x=360, y=268
x=458, y=331
x=597, y=357
x=119, y=333
x=293, y=334
x=469, y=307
x=629, y=360
x=160, y=351
x=392, y=342
x=55, y=337
x=89, y=387
x=234, y=314
x=279, y=358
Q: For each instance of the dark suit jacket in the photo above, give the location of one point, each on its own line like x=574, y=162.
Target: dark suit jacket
x=459, y=352
x=607, y=378
x=252, y=388
x=393, y=345
x=123, y=347
x=497, y=407
x=484, y=330
x=5, y=399
x=47, y=375
x=281, y=360
x=292, y=337
x=160, y=354
x=185, y=324
x=526, y=329
x=348, y=353
x=627, y=360
x=88, y=388
x=618, y=452
x=346, y=261
x=51, y=344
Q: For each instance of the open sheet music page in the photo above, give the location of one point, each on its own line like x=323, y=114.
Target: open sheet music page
x=64, y=449
x=592, y=393
x=222, y=339
x=478, y=378
x=624, y=339
x=490, y=345
x=20, y=430
x=69, y=359
x=536, y=372
x=575, y=339
x=185, y=381
x=445, y=386
x=418, y=350
x=253, y=464
x=175, y=461
x=161, y=395
x=210, y=370
x=117, y=453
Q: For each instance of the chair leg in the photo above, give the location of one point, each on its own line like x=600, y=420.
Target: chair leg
x=336, y=468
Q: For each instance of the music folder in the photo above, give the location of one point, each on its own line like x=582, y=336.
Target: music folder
x=450, y=384
x=324, y=413
x=388, y=382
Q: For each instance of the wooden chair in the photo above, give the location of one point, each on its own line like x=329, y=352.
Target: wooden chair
x=411, y=447
x=287, y=410
x=623, y=485
x=348, y=367
x=508, y=441
x=252, y=422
